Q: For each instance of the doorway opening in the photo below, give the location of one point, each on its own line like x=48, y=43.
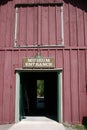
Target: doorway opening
x=40, y=105
x=39, y=95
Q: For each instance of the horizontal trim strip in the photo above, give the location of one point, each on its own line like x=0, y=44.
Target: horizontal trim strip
x=38, y=70
x=44, y=48
x=38, y=4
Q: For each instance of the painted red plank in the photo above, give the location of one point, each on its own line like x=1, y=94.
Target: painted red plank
x=14, y=65
x=83, y=104
x=17, y=2
x=0, y=26
x=66, y=25
x=44, y=53
x=3, y=26
x=73, y=26
x=59, y=58
x=74, y=86
x=6, y=87
x=59, y=1
x=30, y=53
x=86, y=66
x=82, y=83
x=52, y=53
x=23, y=1
x=29, y=22
x=12, y=24
x=36, y=52
x=37, y=1
x=58, y=23
x=44, y=1
x=17, y=14
x=44, y=25
x=67, y=88
x=1, y=84
x=85, y=27
x=82, y=71
x=85, y=93
x=51, y=1
x=8, y=24
x=15, y=58
x=80, y=27
x=39, y=24
x=21, y=56
x=22, y=26
x=52, y=38
x=35, y=26
x=30, y=1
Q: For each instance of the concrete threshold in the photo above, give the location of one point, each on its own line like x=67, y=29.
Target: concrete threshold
x=34, y=123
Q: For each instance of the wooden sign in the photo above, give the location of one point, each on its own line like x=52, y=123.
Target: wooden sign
x=38, y=63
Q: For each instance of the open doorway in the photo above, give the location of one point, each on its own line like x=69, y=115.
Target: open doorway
x=39, y=95
x=40, y=105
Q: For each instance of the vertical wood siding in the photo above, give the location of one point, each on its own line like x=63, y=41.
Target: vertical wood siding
x=44, y=26
x=6, y=87
x=73, y=25
x=39, y=25
x=80, y=27
x=74, y=85
x=85, y=27
x=82, y=83
x=67, y=87
x=1, y=84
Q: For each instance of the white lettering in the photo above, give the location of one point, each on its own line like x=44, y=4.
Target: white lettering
x=38, y=63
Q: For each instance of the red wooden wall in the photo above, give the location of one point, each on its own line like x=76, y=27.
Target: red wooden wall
x=38, y=25
x=72, y=57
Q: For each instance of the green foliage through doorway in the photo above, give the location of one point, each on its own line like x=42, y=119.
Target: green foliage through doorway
x=40, y=88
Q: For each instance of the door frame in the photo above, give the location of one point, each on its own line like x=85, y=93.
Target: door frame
x=59, y=89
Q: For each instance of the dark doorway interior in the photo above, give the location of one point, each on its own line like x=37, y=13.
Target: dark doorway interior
x=29, y=98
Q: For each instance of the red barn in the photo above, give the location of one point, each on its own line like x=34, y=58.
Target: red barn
x=43, y=41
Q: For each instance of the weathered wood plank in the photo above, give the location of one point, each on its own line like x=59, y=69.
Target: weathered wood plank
x=74, y=87
x=30, y=26
x=58, y=25
x=6, y=87
x=3, y=26
x=22, y=26
x=14, y=65
x=80, y=27
x=73, y=26
x=1, y=84
x=66, y=25
x=52, y=38
x=45, y=26
x=67, y=88
x=82, y=83
x=59, y=58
